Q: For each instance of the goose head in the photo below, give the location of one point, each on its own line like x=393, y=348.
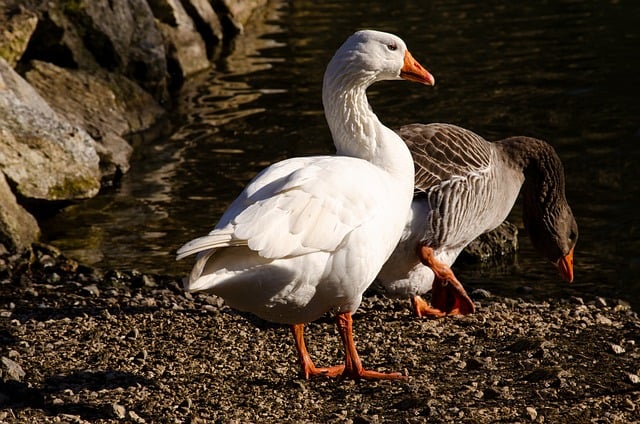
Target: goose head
x=369, y=56
x=555, y=237
x=364, y=58
x=547, y=216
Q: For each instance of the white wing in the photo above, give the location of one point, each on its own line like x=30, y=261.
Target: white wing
x=297, y=206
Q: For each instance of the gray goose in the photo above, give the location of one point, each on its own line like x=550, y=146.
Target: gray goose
x=465, y=186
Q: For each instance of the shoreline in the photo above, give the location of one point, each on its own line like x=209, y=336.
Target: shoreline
x=101, y=347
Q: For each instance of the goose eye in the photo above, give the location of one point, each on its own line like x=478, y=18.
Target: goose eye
x=392, y=46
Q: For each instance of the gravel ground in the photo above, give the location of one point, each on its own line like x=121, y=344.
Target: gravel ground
x=79, y=345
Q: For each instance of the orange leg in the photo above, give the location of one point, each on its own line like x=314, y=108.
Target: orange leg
x=448, y=297
x=308, y=368
x=353, y=366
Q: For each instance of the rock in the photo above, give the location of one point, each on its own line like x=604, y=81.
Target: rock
x=92, y=289
x=206, y=21
x=17, y=25
x=120, y=36
x=234, y=14
x=616, y=348
x=186, y=51
x=11, y=371
x=18, y=228
x=108, y=106
x=135, y=417
x=41, y=154
x=118, y=411
x=601, y=302
x=603, y=320
x=532, y=413
x=480, y=294
x=500, y=242
x=186, y=404
x=633, y=378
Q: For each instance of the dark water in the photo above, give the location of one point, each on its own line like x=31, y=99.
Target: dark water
x=564, y=71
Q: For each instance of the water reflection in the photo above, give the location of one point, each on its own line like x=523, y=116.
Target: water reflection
x=565, y=71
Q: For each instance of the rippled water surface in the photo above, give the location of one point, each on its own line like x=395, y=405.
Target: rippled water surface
x=564, y=71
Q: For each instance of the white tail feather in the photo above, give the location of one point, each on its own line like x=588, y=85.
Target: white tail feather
x=213, y=240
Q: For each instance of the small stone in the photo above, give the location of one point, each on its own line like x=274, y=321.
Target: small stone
x=480, y=294
x=602, y=320
x=47, y=261
x=532, y=413
x=600, y=302
x=475, y=364
x=118, y=411
x=135, y=417
x=148, y=281
x=70, y=418
x=617, y=349
x=92, y=289
x=633, y=378
x=133, y=334
x=142, y=355
x=11, y=370
x=186, y=404
x=629, y=404
x=576, y=300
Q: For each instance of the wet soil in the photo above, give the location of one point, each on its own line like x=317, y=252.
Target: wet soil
x=81, y=345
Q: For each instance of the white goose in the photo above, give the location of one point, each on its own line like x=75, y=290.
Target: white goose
x=308, y=235
x=465, y=186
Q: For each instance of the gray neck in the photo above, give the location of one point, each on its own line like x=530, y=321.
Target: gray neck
x=543, y=190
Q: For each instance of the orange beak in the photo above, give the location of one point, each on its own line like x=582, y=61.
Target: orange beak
x=413, y=71
x=565, y=266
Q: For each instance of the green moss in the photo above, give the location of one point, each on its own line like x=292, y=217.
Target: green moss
x=72, y=5
x=74, y=188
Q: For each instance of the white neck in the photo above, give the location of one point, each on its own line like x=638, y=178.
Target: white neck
x=355, y=128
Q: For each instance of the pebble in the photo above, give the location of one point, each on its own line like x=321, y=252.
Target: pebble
x=576, y=300
x=92, y=289
x=135, y=417
x=118, y=411
x=186, y=404
x=133, y=334
x=148, y=281
x=142, y=355
x=532, y=413
x=633, y=378
x=617, y=349
x=602, y=320
x=480, y=294
x=11, y=370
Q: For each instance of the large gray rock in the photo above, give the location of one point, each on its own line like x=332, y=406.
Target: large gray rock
x=43, y=155
x=18, y=228
x=108, y=106
x=185, y=47
x=120, y=36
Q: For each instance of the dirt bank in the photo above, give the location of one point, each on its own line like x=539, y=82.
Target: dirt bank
x=79, y=345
